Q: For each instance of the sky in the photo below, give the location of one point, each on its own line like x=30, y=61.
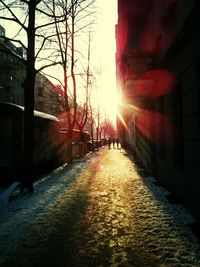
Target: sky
x=105, y=48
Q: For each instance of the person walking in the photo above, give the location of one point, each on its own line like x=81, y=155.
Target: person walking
x=117, y=142
x=113, y=141
x=109, y=142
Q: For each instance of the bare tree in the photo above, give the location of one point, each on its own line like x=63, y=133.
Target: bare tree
x=66, y=33
x=83, y=118
x=47, y=24
x=24, y=13
x=30, y=79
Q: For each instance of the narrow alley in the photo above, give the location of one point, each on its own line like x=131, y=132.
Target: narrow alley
x=102, y=211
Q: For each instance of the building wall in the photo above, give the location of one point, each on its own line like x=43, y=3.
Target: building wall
x=179, y=170
x=133, y=59
x=171, y=34
x=12, y=73
x=47, y=97
x=12, y=77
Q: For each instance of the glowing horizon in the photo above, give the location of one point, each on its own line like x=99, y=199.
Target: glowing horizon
x=104, y=53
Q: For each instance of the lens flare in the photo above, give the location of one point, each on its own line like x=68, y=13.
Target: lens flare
x=153, y=84
x=122, y=120
x=154, y=126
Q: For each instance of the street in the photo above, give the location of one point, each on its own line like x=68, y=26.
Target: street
x=101, y=211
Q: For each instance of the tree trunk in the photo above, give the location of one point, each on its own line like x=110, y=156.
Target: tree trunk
x=27, y=179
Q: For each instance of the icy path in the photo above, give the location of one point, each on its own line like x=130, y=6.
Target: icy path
x=99, y=212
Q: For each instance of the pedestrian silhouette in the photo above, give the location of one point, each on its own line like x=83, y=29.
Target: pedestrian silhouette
x=117, y=142
x=109, y=142
x=113, y=141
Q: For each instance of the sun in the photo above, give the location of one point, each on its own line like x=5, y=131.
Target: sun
x=108, y=101
x=103, y=55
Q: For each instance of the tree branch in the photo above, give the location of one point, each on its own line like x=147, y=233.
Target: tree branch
x=15, y=18
x=47, y=66
x=17, y=41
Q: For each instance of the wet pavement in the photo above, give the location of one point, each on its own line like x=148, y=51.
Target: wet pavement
x=108, y=215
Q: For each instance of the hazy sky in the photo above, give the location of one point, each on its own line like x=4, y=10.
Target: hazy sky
x=105, y=47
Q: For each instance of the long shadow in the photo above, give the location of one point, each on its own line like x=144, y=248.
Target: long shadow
x=169, y=198
x=58, y=237
x=54, y=237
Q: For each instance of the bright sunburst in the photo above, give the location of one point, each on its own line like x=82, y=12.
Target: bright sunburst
x=105, y=48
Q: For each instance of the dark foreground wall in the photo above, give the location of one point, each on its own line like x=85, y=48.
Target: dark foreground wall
x=178, y=162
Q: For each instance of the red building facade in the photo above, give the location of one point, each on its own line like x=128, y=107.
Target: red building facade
x=157, y=63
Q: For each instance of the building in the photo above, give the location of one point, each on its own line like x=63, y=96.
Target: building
x=157, y=71
x=12, y=71
x=12, y=75
x=48, y=97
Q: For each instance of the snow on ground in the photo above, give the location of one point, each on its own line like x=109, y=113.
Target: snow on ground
x=17, y=215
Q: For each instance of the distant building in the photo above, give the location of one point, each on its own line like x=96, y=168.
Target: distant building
x=12, y=71
x=158, y=62
x=12, y=76
x=48, y=97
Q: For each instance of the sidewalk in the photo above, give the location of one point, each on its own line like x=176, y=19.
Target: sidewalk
x=104, y=214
